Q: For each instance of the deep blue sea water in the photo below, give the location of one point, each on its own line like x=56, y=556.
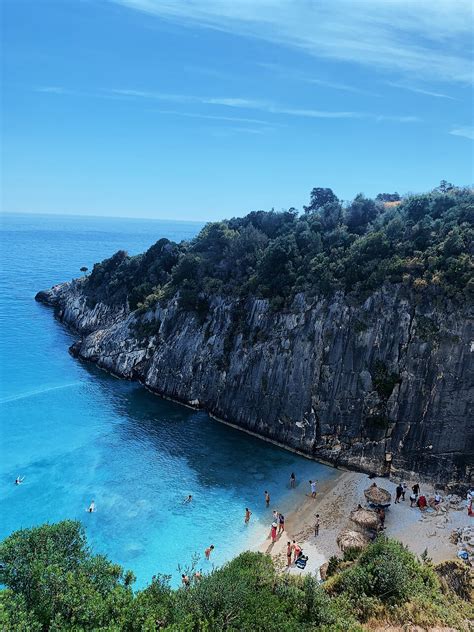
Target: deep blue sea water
x=77, y=433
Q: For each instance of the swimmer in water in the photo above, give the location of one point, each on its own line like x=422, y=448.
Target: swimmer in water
x=19, y=480
x=91, y=507
x=208, y=551
x=188, y=499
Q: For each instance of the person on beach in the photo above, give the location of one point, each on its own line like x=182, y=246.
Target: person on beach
x=421, y=502
x=273, y=532
x=91, y=507
x=248, y=513
x=296, y=551
x=208, y=551
x=416, y=489
x=381, y=513
x=289, y=551
x=188, y=499
x=412, y=499
x=275, y=515
x=292, y=480
x=197, y=576
x=185, y=580
x=281, y=523
x=398, y=492
x=267, y=498
x=316, y=525
x=313, y=488
x=435, y=502
x=405, y=487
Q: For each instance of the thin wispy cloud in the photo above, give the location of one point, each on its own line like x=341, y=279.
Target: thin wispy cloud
x=291, y=74
x=398, y=119
x=464, y=131
x=211, y=117
x=259, y=105
x=429, y=93
x=423, y=38
x=51, y=90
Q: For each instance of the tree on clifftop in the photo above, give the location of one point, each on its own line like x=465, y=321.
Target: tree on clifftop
x=320, y=197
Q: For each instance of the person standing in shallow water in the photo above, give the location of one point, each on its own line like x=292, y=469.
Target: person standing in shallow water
x=208, y=551
x=313, y=488
x=267, y=498
x=292, y=480
x=248, y=513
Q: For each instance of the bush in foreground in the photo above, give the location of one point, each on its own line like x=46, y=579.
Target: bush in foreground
x=54, y=582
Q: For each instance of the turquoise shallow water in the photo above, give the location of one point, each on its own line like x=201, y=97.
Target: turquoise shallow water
x=78, y=434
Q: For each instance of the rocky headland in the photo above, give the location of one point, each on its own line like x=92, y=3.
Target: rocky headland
x=381, y=381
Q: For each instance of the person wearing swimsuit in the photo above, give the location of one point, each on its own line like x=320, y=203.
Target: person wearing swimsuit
x=289, y=550
x=281, y=523
x=273, y=532
x=296, y=551
x=248, y=513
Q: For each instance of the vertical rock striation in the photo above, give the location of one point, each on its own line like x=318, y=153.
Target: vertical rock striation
x=387, y=385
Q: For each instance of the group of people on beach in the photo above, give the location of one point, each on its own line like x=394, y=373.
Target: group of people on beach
x=417, y=499
x=278, y=525
x=293, y=552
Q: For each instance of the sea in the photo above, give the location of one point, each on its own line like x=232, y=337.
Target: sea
x=77, y=434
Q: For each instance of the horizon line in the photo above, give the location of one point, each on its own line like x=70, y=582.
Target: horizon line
x=155, y=219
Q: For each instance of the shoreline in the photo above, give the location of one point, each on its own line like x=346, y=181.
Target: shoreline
x=429, y=530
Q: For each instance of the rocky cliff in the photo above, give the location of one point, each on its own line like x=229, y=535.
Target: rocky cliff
x=384, y=386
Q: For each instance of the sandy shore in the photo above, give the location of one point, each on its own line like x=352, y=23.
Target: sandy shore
x=335, y=500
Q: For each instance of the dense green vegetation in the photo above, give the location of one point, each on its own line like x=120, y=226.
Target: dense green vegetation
x=54, y=582
x=424, y=242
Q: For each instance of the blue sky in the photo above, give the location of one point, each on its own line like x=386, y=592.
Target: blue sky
x=203, y=109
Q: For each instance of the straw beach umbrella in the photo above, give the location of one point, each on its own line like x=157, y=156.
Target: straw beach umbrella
x=350, y=539
x=378, y=496
x=365, y=518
